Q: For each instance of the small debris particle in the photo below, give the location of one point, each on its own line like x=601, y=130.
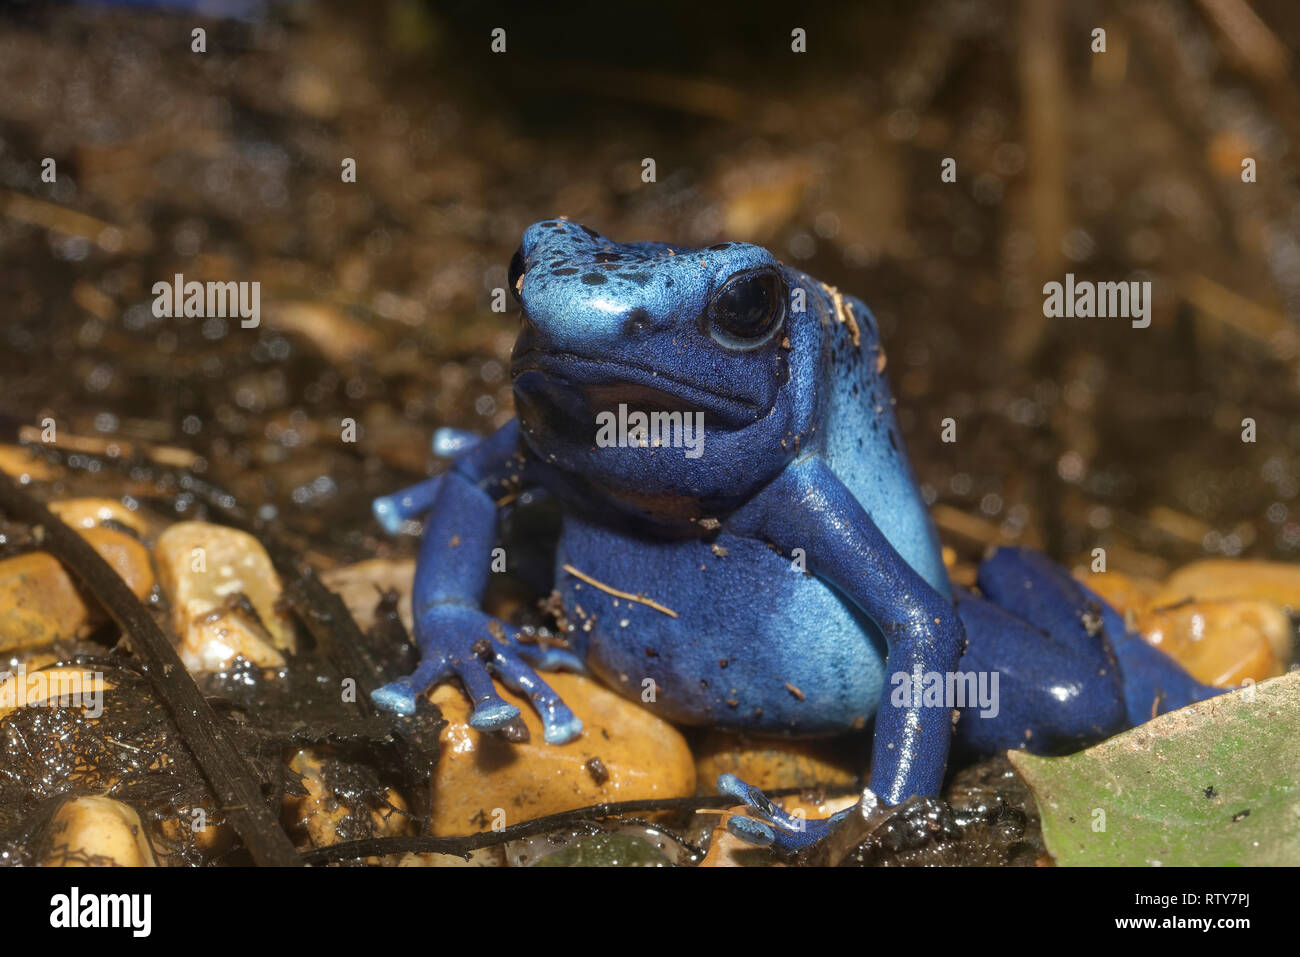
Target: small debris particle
x=719, y=551
x=515, y=731
x=1210, y=792
x=596, y=768
x=1241, y=815
x=710, y=524
x=799, y=696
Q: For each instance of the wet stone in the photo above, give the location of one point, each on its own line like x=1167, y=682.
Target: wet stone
x=96, y=831
x=83, y=513
x=483, y=779
x=223, y=592
x=771, y=763
x=343, y=802
x=40, y=603
x=1222, y=642
x=125, y=555
x=360, y=585
x=18, y=463
x=1219, y=580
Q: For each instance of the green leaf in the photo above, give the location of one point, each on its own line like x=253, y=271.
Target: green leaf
x=1217, y=783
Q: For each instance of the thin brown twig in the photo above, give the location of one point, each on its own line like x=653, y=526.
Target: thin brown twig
x=232, y=780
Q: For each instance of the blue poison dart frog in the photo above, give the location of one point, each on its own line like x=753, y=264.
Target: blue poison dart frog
x=741, y=527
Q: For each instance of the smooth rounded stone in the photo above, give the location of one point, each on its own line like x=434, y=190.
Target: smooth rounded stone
x=483, y=780
x=1221, y=642
x=1126, y=593
x=83, y=513
x=323, y=817
x=97, y=831
x=770, y=763
x=204, y=569
x=17, y=462
x=1220, y=580
x=359, y=586
x=39, y=604
x=125, y=555
x=209, y=832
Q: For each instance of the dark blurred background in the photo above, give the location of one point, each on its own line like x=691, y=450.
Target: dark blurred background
x=225, y=165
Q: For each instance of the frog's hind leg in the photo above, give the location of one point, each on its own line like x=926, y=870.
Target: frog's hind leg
x=1030, y=688
x=1153, y=682
x=1070, y=672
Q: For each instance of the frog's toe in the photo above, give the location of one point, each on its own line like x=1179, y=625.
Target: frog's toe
x=752, y=831
x=559, y=723
x=493, y=715
x=774, y=827
x=403, y=695
x=449, y=443
x=394, y=511
x=563, y=727
x=399, y=696
x=491, y=711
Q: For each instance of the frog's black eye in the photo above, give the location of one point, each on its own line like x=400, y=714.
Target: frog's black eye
x=516, y=273
x=748, y=309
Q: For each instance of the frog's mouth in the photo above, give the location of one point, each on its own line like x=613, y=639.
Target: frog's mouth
x=581, y=387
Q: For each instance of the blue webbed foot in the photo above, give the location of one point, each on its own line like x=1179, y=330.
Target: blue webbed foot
x=399, y=696
x=468, y=645
x=403, y=694
x=773, y=827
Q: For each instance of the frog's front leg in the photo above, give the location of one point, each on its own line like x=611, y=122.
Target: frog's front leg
x=808, y=508
x=455, y=637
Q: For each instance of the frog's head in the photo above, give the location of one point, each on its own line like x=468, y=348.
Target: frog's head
x=612, y=332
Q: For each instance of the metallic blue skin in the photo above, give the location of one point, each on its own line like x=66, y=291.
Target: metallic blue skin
x=780, y=580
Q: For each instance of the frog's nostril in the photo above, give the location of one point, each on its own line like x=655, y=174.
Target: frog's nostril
x=516, y=274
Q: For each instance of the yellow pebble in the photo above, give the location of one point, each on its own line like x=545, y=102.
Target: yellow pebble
x=482, y=779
